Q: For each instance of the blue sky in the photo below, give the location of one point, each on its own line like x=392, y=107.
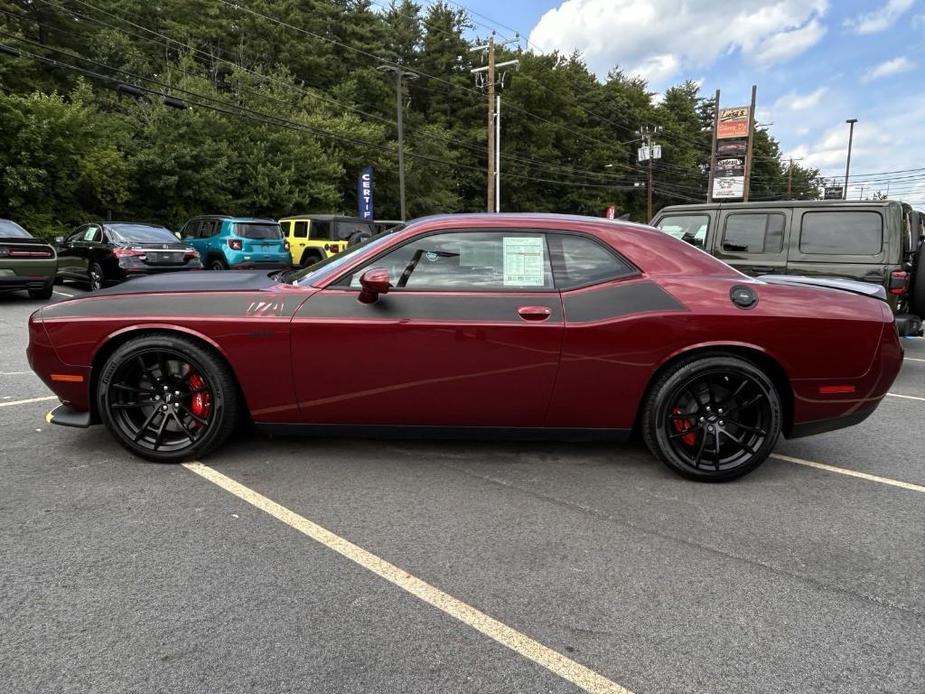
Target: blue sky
x=816, y=63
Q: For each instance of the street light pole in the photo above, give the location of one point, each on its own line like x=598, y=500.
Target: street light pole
x=850, y=122
x=399, y=74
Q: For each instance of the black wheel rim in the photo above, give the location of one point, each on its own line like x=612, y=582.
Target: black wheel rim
x=719, y=420
x=217, y=265
x=96, y=280
x=161, y=401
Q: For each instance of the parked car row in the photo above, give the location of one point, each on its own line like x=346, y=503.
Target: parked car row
x=100, y=254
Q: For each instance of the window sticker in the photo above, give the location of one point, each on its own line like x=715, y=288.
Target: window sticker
x=524, y=261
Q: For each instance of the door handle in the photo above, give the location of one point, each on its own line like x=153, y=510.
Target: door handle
x=534, y=312
x=763, y=269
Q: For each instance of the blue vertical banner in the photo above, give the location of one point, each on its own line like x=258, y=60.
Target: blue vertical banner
x=365, y=194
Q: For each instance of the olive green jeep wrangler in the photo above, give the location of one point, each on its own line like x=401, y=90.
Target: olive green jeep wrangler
x=876, y=242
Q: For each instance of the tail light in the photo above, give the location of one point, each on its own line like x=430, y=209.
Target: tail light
x=128, y=252
x=235, y=244
x=191, y=254
x=899, y=282
x=26, y=252
x=286, y=245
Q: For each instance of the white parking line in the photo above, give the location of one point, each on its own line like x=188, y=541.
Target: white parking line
x=555, y=662
x=14, y=373
x=27, y=401
x=914, y=359
x=70, y=296
x=851, y=473
x=907, y=397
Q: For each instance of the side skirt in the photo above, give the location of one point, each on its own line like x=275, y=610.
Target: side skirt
x=483, y=433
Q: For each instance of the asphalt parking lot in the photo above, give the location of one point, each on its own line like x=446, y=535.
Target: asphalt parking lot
x=507, y=567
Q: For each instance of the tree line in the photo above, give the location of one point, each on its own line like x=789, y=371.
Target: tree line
x=273, y=107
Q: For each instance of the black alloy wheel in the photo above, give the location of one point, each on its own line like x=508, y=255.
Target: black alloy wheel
x=166, y=398
x=713, y=419
x=96, y=277
x=217, y=265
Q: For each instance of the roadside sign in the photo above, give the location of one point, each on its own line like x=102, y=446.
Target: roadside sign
x=365, y=194
x=729, y=187
x=733, y=122
x=834, y=193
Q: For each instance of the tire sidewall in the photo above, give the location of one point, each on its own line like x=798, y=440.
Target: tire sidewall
x=206, y=364
x=660, y=400
x=98, y=271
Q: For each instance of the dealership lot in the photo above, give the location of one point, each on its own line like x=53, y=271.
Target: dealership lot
x=120, y=575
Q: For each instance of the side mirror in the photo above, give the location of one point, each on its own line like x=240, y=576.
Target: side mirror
x=374, y=282
x=59, y=239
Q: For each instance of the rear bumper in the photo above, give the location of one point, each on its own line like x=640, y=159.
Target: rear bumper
x=13, y=283
x=274, y=265
x=823, y=425
x=908, y=325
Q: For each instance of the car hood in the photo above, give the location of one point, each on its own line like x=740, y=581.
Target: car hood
x=193, y=281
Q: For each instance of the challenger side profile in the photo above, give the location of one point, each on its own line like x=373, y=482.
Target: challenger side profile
x=515, y=326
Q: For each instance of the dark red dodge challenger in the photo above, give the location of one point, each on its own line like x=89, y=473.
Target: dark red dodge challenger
x=502, y=325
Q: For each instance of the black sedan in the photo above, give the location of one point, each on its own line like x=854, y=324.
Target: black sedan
x=104, y=253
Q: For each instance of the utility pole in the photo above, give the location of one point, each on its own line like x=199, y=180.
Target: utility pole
x=790, y=179
x=712, y=149
x=648, y=152
x=494, y=126
x=748, y=150
x=399, y=107
x=850, y=122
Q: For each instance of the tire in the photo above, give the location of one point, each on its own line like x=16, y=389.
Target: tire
x=310, y=258
x=217, y=264
x=44, y=293
x=152, y=421
x=96, y=277
x=689, y=409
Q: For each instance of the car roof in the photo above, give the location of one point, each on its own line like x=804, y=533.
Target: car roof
x=232, y=218
x=510, y=219
x=325, y=217
x=772, y=204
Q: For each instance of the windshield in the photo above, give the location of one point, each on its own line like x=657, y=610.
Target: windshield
x=141, y=233
x=331, y=264
x=10, y=229
x=251, y=230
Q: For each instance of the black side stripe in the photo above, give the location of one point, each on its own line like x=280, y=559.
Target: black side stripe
x=414, y=306
x=186, y=305
x=617, y=300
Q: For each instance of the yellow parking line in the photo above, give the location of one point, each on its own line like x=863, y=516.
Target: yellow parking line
x=851, y=473
x=555, y=662
x=907, y=397
x=27, y=401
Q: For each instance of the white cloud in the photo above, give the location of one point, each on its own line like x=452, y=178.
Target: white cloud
x=801, y=102
x=634, y=34
x=784, y=45
x=881, y=19
x=887, y=68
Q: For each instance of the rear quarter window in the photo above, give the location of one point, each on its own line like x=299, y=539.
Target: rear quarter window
x=751, y=232
x=841, y=233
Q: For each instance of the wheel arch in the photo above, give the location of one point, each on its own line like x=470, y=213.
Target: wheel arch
x=760, y=358
x=311, y=252
x=115, y=340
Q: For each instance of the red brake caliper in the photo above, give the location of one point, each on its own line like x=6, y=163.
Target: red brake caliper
x=682, y=425
x=202, y=403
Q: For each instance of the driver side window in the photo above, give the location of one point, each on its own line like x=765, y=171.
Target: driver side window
x=468, y=261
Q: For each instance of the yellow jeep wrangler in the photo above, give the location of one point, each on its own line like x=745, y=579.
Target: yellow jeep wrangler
x=314, y=237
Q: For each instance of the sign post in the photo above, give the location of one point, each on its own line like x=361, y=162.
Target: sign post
x=731, y=154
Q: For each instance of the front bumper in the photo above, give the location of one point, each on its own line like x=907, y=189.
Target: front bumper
x=67, y=416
